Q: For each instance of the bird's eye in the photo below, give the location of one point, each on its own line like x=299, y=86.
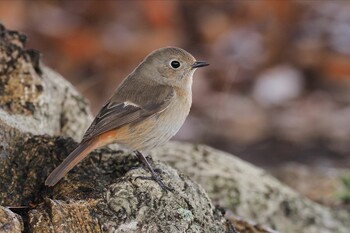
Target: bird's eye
x=175, y=64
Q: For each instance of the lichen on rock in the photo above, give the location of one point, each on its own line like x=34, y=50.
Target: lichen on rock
x=127, y=204
x=41, y=124
x=20, y=84
x=10, y=222
x=33, y=98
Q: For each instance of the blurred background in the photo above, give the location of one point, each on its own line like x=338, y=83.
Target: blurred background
x=276, y=93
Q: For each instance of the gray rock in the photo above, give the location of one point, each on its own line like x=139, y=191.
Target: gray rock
x=250, y=192
x=119, y=202
x=9, y=221
x=33, y=98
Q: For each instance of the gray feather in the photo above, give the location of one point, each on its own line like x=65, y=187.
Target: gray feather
x=130, y=104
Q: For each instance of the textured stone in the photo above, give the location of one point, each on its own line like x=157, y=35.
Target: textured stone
x=33, y=98
x=9, y=221
x=110, y=201
x=103, y=194
x=250, y=192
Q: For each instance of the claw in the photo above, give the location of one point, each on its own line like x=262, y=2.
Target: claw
x=154, y=176
x=157, y=179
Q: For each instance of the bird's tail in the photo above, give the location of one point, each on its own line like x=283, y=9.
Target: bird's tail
x=73, y=159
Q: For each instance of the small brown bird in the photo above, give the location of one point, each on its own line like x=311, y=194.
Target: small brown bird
x=146, y=110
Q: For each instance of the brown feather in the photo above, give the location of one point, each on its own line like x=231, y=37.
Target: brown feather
x=73, y=159
x=115, y=114
x=146, y=110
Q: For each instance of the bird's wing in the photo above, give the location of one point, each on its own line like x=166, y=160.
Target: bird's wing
x=115, y=114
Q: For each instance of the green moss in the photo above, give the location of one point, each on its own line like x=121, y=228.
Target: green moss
x=344, y=196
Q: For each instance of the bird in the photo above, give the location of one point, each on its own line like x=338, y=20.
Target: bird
x=145, y=111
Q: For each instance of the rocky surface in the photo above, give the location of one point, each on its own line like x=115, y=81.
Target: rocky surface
x=250, y=192
x=9, y=221
x=328, y=186
x=34, y=98
x=103, y=193
x=115, y=201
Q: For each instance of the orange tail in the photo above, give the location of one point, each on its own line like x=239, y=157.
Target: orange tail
x=73, y=159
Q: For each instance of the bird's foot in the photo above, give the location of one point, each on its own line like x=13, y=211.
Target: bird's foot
x=155, y=177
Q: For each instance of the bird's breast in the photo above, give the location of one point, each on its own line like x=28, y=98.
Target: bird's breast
x=158, y=128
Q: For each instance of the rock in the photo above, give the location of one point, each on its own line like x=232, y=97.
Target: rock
x=113, y=200
x=25, y=165
x=324, y=185
x=250, y=192
x=9, y=221
x=243, y=225
x=33, y=98
x=103, y=193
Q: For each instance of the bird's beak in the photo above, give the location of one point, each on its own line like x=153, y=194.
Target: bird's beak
x=198, y=64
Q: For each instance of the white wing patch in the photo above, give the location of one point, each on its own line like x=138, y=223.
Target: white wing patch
x=127, y=103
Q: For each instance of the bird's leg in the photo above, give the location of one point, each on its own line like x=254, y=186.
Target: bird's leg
x=154, y=176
